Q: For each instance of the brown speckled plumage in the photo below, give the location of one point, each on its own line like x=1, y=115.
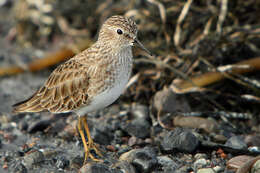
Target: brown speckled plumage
x=74, y=83
x=91, y=80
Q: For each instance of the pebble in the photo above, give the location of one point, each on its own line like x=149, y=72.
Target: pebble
x=101, y=137
x=200, y=163
x=256, y=167
x=207, y=125
x=206, y=170
x=236, y=142
x=20, y=168
x=180, y=139
x=32, y=158
x=140, y=111
x=200, y=156
x=144, y=160
x=139, y=128
x=167, y=164
x=165, y=99
x=62, y=162
x=125, y=167
x=40, y=125
x=94, y=168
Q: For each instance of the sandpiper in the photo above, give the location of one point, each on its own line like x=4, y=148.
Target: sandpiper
x=91, y=80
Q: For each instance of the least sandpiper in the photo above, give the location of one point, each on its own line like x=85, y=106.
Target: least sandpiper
x=91, y=80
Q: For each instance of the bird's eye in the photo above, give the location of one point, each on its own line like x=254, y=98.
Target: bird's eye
x=119, y=31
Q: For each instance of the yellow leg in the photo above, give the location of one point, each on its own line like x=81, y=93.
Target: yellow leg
x=81, y=132
x=91, y=143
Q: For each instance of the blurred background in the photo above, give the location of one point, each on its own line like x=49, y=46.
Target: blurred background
x=203, y=75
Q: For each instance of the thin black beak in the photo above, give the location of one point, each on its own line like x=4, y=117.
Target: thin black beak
x=140, y=45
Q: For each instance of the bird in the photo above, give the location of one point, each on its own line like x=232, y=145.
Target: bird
x=91, y=80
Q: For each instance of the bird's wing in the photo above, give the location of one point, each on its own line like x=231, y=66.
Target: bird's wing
x=65, y=90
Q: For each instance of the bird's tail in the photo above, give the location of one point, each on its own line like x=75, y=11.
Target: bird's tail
x=30, y=105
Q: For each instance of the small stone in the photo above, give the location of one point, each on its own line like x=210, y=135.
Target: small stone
x=200, y=156
x=125, y=167
x=62, y=162
x=140, y=111
x=236, y=142
x=95, y=168
x=208, y=125
x=218, y=169
x=256, y=167
x=33, y=157
x=236, y=162
x=200, y=163
x=167, y=164
x=181, y=140
x=144, y=160
x=76, y=162
x=206, y=170
x=139, y=128
x=101, y=137
x=20, y=168
x=40, y=125
x=167, y=101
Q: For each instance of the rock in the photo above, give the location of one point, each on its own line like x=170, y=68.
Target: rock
x=236, y=162
x=140, y=111
x=167, y=164
x=181, y=140
x=200, y=163
x=94, y=168
x=167, y=101
x=256, y=167
x=144, y=160
x=125, y=167
x=206, y=170
x=200, y=156
x=62, y=162
x=208, y=125
x=101, y=137
x=39, y=125
x=76, y=162
x=139, y=128
x=20, y=168
x=33, y=157
x=218, y=169
x=236, y=142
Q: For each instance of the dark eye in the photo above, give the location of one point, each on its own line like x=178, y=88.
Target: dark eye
x=119, y=31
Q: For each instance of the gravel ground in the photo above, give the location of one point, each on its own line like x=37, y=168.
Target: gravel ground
x=128, y=132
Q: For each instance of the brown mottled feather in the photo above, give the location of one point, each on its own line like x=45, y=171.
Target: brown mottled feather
x=64, y=90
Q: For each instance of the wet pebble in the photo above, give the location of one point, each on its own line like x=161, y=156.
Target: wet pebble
x=144, y=160
x=236, y=142
x=95, y=168
x=179, y=139
x=139, y=128
x=33, y=157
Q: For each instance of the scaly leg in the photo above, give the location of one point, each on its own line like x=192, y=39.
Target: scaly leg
x=91, y=143
x=81, y=132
